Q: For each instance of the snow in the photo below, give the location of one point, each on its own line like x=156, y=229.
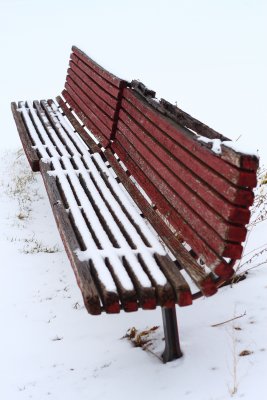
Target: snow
x=239, y=146
x=51, y=348
x=242, y=147
x=216, y=143
x=206, y=56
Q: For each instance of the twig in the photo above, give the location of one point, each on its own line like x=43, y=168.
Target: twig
x=152, y=352
x=229, y=320
x=252, y=251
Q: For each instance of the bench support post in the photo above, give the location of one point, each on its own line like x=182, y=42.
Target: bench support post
x=172, y=344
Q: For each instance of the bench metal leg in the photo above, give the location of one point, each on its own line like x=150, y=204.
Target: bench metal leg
x=172, y=344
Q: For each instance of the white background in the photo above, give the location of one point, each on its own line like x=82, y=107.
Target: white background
x=208, y=56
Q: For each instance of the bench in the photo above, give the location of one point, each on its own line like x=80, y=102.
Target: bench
x=151, y=204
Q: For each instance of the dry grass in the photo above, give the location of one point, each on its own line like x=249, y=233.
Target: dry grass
x=140, y=338
x=258, y=256
x=21, y=185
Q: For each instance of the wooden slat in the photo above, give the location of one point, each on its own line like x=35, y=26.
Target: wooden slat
x=92, y=96
x=128, y=298
x=146, y=295
x=164, y=293
x=77, y=126
x=101, y=93
x=110, y=300
x=109, y=88
x=94, y=112
x=81, y=269
x=114, y=80
x=186, y=185
x=179, y=284
x=197, y=175
x=187, y=140
x=31, y=154
x=72, y=100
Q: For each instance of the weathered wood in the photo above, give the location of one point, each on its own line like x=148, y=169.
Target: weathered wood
x=101, y=93
x=90, y=110
x=114, y=80
x=179, y=284
x=92, y=96
x=109, y=88
x=88, y=101
x=128, y=298
x=81, y=269
x=27, y=144
x=85, y=119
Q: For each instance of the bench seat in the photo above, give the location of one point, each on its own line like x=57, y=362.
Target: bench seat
x=119, y=263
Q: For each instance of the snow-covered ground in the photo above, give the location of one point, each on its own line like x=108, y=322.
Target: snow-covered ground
x=50, y=346
x=209, y=57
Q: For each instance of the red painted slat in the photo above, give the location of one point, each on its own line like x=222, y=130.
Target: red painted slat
x=108, y=98
x=87, y=121
x=114, y=80
x=186, y=213
x=185, y=139
x=212, y=198
x=92, y=107
x=114, y=91
x=103, y=131
x=92, y=97
x=191, y=234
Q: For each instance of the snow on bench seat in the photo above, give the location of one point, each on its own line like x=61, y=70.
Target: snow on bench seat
x=118, y=261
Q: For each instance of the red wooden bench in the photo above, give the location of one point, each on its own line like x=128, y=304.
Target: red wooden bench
x=151, y=204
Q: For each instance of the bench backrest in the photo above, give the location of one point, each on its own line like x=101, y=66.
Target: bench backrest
x=202, y=195
x=95, y=92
